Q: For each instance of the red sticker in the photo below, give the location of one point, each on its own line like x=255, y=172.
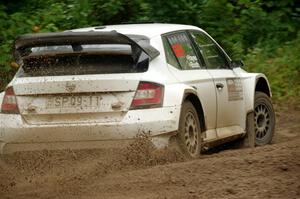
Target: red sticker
x=178, y=50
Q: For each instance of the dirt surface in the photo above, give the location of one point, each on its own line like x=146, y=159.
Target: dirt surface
x=271, y=171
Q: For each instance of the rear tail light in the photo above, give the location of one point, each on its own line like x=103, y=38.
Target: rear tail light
x=9, y=103
x=148, y=95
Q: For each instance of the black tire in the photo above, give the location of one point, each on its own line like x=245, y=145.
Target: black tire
x=264, y=119
x=189, y=132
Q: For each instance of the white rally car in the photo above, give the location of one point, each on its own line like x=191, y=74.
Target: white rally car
x=95, y=86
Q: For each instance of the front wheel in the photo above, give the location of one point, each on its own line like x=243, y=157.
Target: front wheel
x=189, y=132
x=264, y=119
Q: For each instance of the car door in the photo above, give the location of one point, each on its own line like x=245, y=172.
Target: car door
x=228, y=86
x=188, y=68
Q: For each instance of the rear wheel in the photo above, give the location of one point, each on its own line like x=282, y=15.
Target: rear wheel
x=189, y=132
x=264, y=119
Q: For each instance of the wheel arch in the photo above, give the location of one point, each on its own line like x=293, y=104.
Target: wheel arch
x=256, y=82
x=262, y=85
x=191, y=95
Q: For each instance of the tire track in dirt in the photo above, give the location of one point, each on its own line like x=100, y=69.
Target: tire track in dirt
x=138, y=171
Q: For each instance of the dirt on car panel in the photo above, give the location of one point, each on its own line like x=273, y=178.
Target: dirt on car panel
x=137, y=171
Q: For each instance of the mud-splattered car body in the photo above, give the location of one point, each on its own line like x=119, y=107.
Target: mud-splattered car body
x=60, y=98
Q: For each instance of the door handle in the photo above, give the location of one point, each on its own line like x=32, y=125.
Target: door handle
x=219, y=86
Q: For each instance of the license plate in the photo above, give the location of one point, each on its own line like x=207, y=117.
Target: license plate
x=74, y=101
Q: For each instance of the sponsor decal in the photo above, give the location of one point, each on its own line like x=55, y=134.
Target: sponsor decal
x=235, y=89
x=192, y=61
x=178, y=50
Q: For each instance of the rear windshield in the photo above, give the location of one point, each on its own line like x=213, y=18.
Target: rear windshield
x=87, y=47
x=82, y=60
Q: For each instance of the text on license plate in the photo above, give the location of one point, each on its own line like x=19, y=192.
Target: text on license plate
x=74, y=101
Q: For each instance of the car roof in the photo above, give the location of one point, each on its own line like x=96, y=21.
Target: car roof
x=147, y=29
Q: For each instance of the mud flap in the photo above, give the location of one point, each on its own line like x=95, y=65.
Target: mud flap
x=249, y=140
x=1, y=147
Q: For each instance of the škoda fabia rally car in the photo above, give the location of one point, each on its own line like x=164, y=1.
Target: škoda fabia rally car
x=92, y=87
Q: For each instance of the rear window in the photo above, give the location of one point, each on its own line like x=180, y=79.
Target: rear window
x=82, y=60
x=87, y=47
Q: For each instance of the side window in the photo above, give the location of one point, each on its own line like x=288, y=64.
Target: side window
x=213, y=56
x=181, y=47
x=171, y=59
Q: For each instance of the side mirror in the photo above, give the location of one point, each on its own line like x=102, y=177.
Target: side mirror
x=236, y=63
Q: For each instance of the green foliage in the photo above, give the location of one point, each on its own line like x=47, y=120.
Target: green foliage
x=36, y=16
x=264, y=32
x=282, y=69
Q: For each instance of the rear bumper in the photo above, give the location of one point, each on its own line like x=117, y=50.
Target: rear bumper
x=16, y=134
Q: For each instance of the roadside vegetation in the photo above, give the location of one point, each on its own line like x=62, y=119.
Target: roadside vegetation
x=263, y=33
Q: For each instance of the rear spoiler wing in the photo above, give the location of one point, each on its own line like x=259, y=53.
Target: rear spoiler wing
x=137, y=42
